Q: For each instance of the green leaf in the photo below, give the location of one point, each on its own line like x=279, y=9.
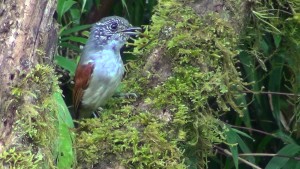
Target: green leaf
x=63, y=6
x=242, y=133
x=245, y=149
x=59, y=8
x=264, y=143
x=279, y=162
x=75, y=16
x=292, y=163
x=74, y=29
x=249, y=67
x=231, y=138
x=139, y=8
x=66, y=63
x=125, y=6
x=75, y=39
x=64, y=28
x=275, y=85
x=277, y=40
x=264, y=46
x=284, y=137
x=70, y=46
x=65, y=152
x=64, y=114
x=83, y=6
x=242, y=102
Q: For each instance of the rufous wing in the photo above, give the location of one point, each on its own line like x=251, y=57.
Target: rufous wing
x=82, y=78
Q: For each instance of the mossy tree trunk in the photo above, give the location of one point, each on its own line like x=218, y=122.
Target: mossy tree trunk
x=184, y=77
x=28, y=36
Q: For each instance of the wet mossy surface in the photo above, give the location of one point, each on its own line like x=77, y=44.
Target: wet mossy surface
x=184, y=77
x=35, y=129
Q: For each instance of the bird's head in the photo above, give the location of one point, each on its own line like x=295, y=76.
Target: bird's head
x=112, y=32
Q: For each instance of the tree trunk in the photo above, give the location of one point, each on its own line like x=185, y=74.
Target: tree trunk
x=28, y=36
x=184, y=78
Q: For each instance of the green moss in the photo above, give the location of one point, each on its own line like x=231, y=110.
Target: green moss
x=175, y=122
x=21, y=159
x=36, y=116
x=137, y=140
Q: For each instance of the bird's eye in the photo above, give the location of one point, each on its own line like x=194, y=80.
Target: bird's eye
x=114, y=26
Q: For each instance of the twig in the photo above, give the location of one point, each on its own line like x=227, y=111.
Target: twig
x=270, y=155
x=276, y=93
x=251, y=129
x=239, y=158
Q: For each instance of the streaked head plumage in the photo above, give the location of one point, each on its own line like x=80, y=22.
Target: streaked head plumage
x=112, y=28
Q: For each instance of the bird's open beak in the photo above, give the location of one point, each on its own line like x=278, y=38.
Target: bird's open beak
x=132, y=31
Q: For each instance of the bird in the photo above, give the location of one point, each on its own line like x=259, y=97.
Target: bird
x=100, y=68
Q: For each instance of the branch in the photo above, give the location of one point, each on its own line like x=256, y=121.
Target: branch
x=228, y=153
x=255, y=130
x=275, y=93
x=270, y=155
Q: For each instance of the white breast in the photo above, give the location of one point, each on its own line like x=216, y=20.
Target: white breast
x=106, y=77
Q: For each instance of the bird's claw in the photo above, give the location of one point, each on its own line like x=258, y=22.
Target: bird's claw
x=127, y=95
x=96, y=114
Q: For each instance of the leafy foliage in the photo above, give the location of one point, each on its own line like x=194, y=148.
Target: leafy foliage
x=268, y=51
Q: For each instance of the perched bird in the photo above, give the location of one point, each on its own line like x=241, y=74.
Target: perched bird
x=100, y=69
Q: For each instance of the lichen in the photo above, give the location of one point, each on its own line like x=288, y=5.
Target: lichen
x=174, y=122
x=35, y=126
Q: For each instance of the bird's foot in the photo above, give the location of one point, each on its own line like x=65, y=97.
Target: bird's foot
x=96, y=114
x=126, y=95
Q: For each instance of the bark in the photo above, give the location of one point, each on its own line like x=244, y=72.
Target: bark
x=28, y=35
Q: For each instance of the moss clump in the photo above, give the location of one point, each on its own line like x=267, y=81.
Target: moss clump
x=184, y=77
x=36, y=116
x=135, y=140
x=21, y=159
